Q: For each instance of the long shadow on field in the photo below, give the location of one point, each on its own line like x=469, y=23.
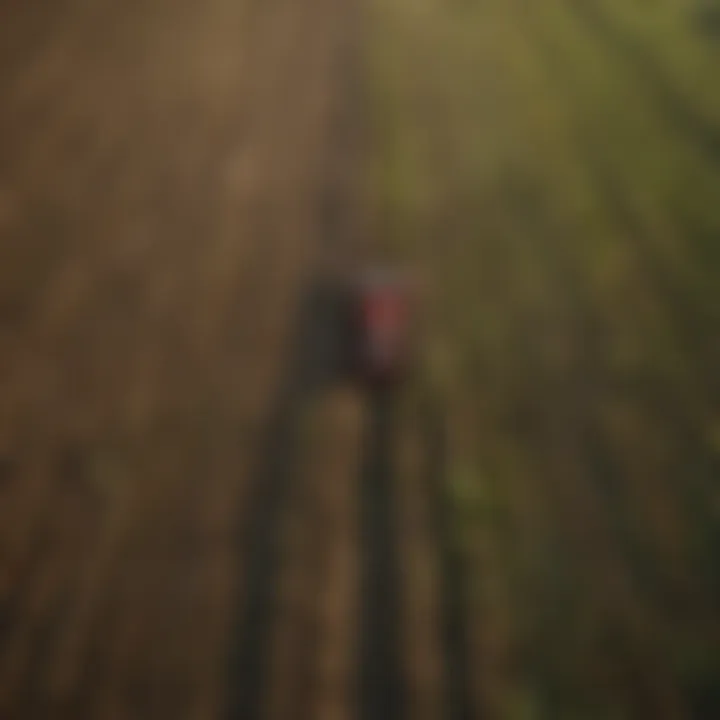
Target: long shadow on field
x=314, y=360
x=381, y=682
x=381, y=691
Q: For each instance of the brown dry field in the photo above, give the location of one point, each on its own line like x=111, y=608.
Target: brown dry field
x=171, y=175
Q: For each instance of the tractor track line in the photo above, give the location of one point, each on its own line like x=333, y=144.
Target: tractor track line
x=381, y=682
x=310, y=359
x=275, y=470
x=454, y=590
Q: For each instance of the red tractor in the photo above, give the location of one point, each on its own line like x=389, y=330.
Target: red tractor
x=383, y=310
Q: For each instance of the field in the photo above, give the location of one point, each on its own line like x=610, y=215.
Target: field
x=554, y=167
x=200, y=518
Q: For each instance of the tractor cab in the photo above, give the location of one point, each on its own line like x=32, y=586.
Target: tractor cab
x=383, y=322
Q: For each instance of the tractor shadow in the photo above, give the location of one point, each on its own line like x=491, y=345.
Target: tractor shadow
x=318, y=357
x=321, y=355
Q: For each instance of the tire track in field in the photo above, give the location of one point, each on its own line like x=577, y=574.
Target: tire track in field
x=267, y=504
x=311, y=363
x=381, y=684
x=384, y=668
x=419, y=555
x=453, y=568
x=332, y=675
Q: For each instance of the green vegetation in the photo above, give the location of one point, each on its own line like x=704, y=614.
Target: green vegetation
x=555, y=167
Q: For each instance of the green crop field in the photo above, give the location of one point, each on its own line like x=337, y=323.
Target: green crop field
x=554, y=168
